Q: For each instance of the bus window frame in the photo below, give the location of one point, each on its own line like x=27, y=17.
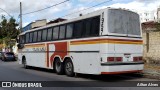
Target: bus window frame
x=26, y=37
x=83, y=27
x=72, y=30
x=34, y=37
x=58, y=32
x=45, y=29
x=75, y=30
x=51, y=33
x=30, y=37
x=41, y=35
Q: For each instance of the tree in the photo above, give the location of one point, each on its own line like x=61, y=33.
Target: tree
x=3, y=26
x=8, y=30
x=11, y=28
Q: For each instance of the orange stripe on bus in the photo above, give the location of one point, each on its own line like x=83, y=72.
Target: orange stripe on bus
x=34, y=45
x=116, y=41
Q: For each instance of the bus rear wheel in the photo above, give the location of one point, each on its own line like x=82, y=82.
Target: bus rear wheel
x=68, y=68
x=58, y=66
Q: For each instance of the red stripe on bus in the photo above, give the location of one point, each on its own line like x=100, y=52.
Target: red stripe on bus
x=47, y=55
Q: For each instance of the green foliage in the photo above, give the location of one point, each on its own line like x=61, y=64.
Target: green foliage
x=8, y=30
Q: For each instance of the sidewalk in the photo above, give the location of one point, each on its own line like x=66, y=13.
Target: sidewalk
x=151, y=71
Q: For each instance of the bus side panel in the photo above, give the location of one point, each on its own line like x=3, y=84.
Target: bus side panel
x=35, y=55
x=36, y=59
x=20, y=57
x=86, y=58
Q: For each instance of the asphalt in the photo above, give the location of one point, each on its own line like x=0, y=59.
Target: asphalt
x=12, y=71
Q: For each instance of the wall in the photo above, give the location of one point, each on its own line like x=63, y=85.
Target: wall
x=151, y=46
x=39, y=23
x=158, y=14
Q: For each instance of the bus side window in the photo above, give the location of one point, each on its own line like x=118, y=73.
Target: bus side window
x=62, y=32
x=31, y=37
x=21, y=39
x=27, y=37
x=49, y=35
x=95, y=26
x=69, y=31
x=39, y=36
x=78, y=27
x=35, y=36
x=55, y=33
x=44, y=35
x=87, y=27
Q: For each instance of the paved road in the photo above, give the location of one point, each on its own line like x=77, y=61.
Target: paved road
x=12, y=71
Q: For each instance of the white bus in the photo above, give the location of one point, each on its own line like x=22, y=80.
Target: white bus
x=107, y=41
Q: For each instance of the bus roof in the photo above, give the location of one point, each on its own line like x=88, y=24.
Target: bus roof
x=92, y=14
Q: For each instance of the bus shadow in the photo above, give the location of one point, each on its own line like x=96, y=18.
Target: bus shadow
x=112, y=78
x=40, y=69
x=104, y=78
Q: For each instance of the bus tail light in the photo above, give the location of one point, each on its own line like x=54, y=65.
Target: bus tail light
x=118, y=59
x=135, y=59
x=140, y=58
x=111, y=59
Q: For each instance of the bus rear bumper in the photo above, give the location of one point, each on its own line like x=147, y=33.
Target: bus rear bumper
x=120, y=68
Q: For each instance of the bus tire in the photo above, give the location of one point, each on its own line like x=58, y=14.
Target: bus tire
x=69, y=68
x=24, y=63
x=58, y=66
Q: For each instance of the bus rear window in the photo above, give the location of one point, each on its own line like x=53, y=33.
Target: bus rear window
x=123, y=22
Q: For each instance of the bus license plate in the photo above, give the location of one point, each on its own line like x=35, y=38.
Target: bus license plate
x=127, y=55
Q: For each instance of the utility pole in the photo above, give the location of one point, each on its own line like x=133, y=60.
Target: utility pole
x=20, y=17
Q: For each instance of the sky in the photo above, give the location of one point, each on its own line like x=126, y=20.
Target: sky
x=70, y=6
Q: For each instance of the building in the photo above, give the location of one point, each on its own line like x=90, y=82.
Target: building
x=37, y=23
x=146, y=16
x=57, y=20
x=158, y=15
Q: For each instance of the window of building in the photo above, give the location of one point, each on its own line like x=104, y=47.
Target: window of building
x=44, y=35
x=49, y=35
x=39, y=35
x=35, y=36
x=55, y=32
x=69, y=31
x=62, y=32
x=31, y=37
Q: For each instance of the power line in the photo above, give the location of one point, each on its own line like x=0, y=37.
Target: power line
x=46, y=7
x=87, y=8
x=6, y=12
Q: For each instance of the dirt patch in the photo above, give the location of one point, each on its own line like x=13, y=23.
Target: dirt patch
x=152, y=67
x=152, y=71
